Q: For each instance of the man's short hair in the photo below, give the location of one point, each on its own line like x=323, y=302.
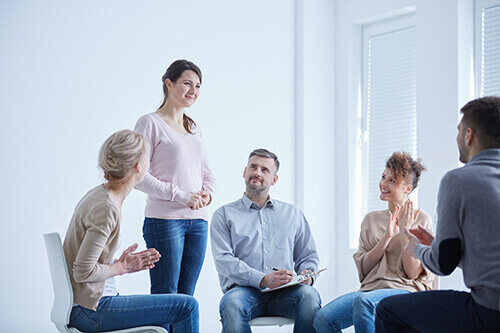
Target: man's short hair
x=483, y=116
x=261, y=152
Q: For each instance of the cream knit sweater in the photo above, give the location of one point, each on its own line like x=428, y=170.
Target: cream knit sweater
x=89, y=245
x=389, y=271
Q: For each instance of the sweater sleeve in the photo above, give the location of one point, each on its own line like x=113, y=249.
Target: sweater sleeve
x=445, y=252
x=209, y=183
x=152, y=185
x=100, y=223
x=361, y=258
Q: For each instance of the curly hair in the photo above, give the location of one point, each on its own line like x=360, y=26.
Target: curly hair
x=405, y=167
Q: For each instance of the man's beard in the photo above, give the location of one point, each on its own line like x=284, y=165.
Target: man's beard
x=256, y=188
x=463, y=153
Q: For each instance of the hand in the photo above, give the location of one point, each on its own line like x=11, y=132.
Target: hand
x=392, y=227
x=424, y=235
x=205, y=197
x=276, y=278
x=133, y=262
x=412, y=242
x=407, y=216
x=195, y=202
x=308, y=281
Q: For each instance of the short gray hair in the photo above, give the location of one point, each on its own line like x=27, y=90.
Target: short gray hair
x=261, y=152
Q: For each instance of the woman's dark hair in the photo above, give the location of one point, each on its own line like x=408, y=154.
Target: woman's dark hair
x=405, y=167
x=174, y=71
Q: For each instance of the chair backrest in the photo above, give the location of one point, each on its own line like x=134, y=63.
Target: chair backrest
x=63, y=293
x=272, y=321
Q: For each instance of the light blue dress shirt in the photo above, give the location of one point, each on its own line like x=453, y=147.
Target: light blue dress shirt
x=248, y=241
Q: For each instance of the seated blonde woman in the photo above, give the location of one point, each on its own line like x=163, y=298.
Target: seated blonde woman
x=92, y=239
x=384, y=268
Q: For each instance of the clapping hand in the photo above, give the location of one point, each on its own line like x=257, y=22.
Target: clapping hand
x=417, y=236
x=424, y=235
x=408, y=216
x=133, y=262
x=392, y=226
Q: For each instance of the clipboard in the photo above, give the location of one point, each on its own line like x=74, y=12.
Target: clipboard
x=296, y=280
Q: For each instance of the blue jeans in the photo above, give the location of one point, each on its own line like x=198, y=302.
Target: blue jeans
x=182, y=245
x=435, y=311
x=356, y=308
x=121, y=312
x=241, y=304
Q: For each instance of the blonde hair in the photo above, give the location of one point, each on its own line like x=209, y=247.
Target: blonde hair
x=120, y=153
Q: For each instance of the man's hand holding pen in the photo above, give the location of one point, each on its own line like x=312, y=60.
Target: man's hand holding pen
x=277, y=278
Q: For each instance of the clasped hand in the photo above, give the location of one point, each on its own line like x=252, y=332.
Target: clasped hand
x=199, y=200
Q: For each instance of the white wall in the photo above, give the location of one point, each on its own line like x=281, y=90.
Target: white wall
x=71, y=73
x=444, y=46
x=74, y=72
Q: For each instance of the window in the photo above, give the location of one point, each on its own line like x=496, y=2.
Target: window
x=388, y=120
x=487, y=37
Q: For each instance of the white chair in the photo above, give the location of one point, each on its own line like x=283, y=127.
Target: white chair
x=272, y=321
x=63, y=293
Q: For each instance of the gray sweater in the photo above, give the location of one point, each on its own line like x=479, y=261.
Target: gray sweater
x=468, y=228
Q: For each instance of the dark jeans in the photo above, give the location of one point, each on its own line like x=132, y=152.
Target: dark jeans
x=182, y=245
x=241, y=304
x=435, y=311
x=121, y=312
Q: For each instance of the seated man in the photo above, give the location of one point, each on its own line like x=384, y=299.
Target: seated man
x=467, y=235
x=257, y=242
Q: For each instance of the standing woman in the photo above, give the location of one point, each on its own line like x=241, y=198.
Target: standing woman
x=384, y=268
x=179, y=184
x=92, y=240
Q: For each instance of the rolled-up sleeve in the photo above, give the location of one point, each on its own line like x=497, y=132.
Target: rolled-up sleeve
x=305, y=254
x=226, y=263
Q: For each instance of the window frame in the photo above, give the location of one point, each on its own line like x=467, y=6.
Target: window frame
x=367, y=31
x=479, y=5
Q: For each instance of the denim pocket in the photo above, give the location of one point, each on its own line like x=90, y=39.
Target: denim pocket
x=82, y=321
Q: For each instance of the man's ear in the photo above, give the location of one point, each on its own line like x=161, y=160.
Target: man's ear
x=470, y=135
x=244, y=172
x=275, y=179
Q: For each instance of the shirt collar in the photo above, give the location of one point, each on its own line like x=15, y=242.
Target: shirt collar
x=249, y=203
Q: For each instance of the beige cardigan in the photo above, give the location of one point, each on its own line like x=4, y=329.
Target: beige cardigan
x=89, y=245
x=389, y=271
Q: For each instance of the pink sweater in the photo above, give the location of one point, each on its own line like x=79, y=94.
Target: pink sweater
x=178, y=168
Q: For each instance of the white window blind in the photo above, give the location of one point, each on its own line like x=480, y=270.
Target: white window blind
x=488, y=47
x=389, y=121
